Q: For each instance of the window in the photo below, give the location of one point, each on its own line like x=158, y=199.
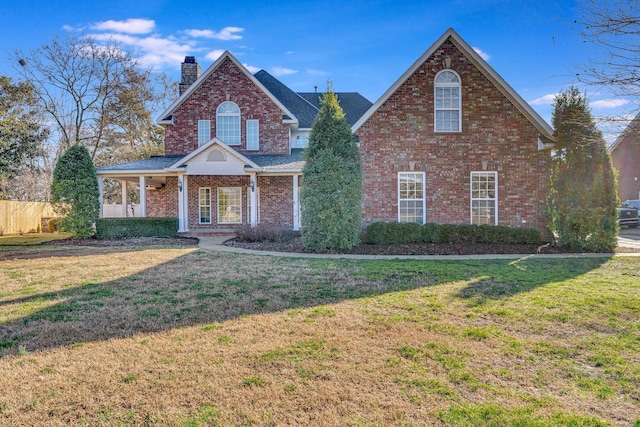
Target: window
x=204, y=131
x=229, y=205
x=484, y=198
x=205, y=205
x=253, y=141
x=411, y=197
x=228, y=123
x=447, y=102
x=302, y=140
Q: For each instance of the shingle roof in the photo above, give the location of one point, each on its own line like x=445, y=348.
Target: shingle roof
x=153, y=164
x=282, y=161
x=305, y=105
x=353, y=104
x=303, y=110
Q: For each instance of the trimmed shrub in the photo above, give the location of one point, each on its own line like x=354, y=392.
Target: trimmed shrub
x=331, y=182
x=122, y=228
x=264, y=233
x=430, y=232
x=387, y=233
x=582, y=198
x=52, y=225
x=74, y=192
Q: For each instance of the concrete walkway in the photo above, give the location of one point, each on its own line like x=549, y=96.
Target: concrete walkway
x=215, y=243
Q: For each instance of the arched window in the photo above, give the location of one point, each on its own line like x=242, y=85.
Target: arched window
x=228, y=123
x=448, y=105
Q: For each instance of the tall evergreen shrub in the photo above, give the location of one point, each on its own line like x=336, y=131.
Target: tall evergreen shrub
x=582, y=201
x=74, y=192
x=331, y=182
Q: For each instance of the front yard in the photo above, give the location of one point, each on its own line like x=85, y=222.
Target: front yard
x=178, y=336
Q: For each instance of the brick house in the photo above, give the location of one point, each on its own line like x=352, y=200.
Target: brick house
x=625, y=156
x=449, y=142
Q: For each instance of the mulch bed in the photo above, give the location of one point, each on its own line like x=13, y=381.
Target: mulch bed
x=294, y=245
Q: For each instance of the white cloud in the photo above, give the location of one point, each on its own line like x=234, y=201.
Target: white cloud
x=251, y=68
x=227, y=33
x=153, y=51
x=482, y=54
x=316, y=73
x=609, y=103
x=544, y=100
x=282, y=71
x=130, y=26
x=214, y=54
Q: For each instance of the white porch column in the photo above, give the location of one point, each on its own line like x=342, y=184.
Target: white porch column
x=143, y=196
x=101, y=197
x=296, y=204
x=254, y=200
x=181, y=221
x=123, y=185
x=185, y=203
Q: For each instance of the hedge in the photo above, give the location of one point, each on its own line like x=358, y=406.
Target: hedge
x=121, y=228
x=386, y=233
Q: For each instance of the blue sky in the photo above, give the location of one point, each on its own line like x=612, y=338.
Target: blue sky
x=362, y=46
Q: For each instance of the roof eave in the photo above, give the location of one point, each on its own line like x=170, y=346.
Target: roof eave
x=542, y=126
x=206, y=74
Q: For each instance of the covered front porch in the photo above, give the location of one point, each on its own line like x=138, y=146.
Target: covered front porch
x=214, y=189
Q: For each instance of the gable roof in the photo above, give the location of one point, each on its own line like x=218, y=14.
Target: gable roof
x=353, y=104
x=305, y=105
x=304, y=111
x=204, y=147
x=165, y=117
x=631, y=128
x=540, y=124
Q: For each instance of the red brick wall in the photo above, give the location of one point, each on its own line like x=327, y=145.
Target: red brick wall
x=214, y=181
x=276, y=200
x=402, y=131
x=228, y=82
x=164, y=201
x=626, y=160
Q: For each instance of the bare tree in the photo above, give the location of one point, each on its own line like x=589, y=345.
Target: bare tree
x=613, y=28
x=77, y=80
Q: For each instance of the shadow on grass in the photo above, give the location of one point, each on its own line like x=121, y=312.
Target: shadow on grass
x=201, y=288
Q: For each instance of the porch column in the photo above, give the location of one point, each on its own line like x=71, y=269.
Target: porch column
x=181, y=221
x=185, y=203
x=296, y=204
x=123, y=185
x=254, y=200
x=143, y=196
x=101, y=197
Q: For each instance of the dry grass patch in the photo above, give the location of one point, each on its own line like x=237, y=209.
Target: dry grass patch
x=177, y=336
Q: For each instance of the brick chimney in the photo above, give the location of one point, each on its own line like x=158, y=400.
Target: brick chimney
x=190, y=73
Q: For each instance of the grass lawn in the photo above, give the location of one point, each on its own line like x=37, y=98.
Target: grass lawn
x=31, y=239
x=179, y=336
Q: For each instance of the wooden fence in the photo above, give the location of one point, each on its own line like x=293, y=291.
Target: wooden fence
x=23, y=216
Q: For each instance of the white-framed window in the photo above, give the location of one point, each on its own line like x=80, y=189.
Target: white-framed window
x=228, y=123
x=204, y=203
x=484, y=198
x=253, y=134
x=301, y=141
x=229, y=205
x=204, y=131
x=448, y=104
x=411, y=197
